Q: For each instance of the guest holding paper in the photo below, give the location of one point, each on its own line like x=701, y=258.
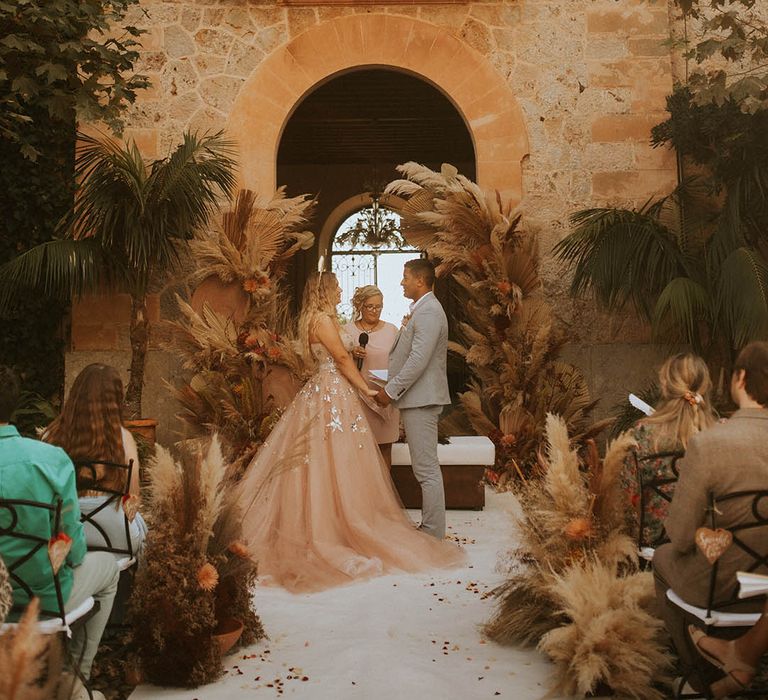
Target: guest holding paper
x=373, y=340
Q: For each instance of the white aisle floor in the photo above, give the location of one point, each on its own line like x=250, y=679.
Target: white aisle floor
x=400, y=637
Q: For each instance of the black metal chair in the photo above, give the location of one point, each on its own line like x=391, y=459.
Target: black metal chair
x=662, y=488
x=87, y=480
x=724, y=614
x=52, y=621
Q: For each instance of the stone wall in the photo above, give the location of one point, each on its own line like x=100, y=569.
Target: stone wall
x=581, y=83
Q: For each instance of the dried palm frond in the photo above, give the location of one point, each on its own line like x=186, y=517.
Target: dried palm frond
x=30, y=662
x=506, y=336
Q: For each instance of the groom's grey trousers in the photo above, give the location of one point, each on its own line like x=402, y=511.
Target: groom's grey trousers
x=421, y=433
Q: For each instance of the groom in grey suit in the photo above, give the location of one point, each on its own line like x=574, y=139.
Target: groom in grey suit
x=418, y=386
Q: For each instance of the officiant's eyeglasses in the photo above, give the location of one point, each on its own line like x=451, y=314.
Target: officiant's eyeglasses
x=373, y=307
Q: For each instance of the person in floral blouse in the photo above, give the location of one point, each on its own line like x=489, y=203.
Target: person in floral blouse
x=684, y=409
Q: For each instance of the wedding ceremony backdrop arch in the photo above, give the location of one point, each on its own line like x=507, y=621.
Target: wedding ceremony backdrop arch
x=269, y=96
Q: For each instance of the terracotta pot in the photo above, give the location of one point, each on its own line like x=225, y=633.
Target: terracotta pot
x=146, y=428
x=227, y=633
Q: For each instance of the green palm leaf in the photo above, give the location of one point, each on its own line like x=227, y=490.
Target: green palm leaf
x=59, y=268
x=621, y=256
x=680, y=309
x=742, y=302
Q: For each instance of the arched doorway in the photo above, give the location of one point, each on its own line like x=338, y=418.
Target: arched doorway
x=345, y=138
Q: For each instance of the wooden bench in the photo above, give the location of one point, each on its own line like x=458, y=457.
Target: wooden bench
x=463, y=462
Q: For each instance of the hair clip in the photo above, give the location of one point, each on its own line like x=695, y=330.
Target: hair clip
x=693, y=399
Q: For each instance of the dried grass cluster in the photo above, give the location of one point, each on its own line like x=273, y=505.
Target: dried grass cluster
x=575, y=589
x=30, y=662
x=230, y=358
x=195, y=572
x=506, y=336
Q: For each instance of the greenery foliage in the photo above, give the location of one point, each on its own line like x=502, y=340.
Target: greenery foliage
x=61, y=57
x=694, y=262
x=730, y=53
x=126, y=229
x=57, y=58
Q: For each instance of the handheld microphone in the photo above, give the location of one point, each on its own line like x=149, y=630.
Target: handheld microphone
x=362, y=341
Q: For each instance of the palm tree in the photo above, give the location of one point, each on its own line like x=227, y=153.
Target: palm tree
x=697, y=271
x=126, y=230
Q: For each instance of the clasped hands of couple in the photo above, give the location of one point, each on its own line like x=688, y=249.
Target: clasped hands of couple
x=378, y=395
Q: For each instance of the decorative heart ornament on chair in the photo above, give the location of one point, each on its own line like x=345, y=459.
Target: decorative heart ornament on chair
x=58, y=548
x=713, y=543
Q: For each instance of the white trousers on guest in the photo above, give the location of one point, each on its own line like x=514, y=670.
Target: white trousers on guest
x=421, y=433
x=97, y=576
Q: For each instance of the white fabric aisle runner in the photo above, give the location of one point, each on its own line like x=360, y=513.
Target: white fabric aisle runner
x=404, y=637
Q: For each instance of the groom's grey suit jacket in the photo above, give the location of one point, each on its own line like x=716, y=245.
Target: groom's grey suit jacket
x=418, y=358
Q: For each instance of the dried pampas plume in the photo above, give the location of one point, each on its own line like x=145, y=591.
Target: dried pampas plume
x=610, y=638
x=30, y=662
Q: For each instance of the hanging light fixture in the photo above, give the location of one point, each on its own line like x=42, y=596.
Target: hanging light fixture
x=376, y=227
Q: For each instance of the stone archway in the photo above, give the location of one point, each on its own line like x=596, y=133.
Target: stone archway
x=470, y=82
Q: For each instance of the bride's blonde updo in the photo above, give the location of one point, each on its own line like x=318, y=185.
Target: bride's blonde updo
x=319, y=299
x=361, y=295
x=685, y=407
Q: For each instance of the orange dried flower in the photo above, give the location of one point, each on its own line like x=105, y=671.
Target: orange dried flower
x=274, y=353
x=504, y=287
x=207, y=577
x=578, y=529
x=250, y=285
x=239, y=550
x=252, y=340
x=508, y=440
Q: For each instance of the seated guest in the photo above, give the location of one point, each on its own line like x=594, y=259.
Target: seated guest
x=90, y=427
x=728, y=457
x=367, y=302
x=32, y=470
x=738, y=658
x=684, y=410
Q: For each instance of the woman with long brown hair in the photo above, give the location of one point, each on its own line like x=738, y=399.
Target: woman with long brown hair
x=90, y=427
x=684, y=409
x=320, y=508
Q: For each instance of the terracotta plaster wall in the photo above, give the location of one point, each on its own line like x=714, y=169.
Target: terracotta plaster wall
x=559, y=96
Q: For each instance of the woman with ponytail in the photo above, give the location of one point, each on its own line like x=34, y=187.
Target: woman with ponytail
x=684, y=409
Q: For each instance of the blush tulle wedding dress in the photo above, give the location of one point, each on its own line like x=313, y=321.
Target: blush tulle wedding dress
x=319, y=505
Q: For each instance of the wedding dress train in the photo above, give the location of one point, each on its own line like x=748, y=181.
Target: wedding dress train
x=320, y=508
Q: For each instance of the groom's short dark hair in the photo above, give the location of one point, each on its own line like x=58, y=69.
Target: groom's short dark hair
x=424, y=269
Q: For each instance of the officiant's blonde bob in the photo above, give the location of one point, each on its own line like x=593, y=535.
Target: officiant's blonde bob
x=361, y=295
x=319, y=298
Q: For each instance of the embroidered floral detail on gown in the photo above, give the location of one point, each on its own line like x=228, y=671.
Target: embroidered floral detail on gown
x=320, y=508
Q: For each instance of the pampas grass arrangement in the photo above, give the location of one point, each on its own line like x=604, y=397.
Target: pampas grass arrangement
x=506, y=335
x=575, y=589
x=30, y=662
x=230, y=358
x=196, y=572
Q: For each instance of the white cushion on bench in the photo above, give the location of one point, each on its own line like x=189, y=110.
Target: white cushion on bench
x=462, y=449
x=717, y=618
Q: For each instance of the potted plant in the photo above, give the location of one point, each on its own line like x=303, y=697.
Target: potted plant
x=127, y=229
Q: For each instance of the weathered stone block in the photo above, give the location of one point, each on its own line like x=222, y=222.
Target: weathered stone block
x=243, y=58
x=178, y=77
x=633, y=21
x=178, y=43
x=220, y=91
x=300, y=19
x=624, y=127
x=214, y=41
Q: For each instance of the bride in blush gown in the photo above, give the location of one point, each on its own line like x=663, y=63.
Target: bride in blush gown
x=319, y=506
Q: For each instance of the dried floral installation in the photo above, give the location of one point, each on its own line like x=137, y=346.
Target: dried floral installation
x=231, y=357
x=575, y=589
x=506, y=336
x=30, y=662
x=196, y=574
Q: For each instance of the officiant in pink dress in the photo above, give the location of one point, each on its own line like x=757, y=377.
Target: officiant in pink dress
x=367, y=304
